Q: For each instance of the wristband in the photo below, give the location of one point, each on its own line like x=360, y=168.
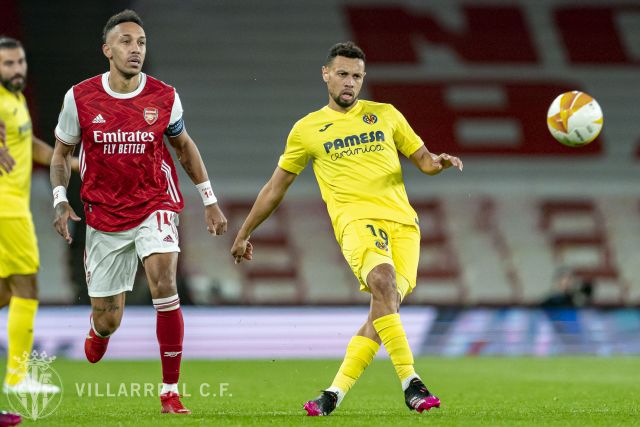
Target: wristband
x=208, y=198
x=59, y=195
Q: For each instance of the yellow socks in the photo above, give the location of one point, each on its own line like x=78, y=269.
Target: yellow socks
x=22, y=314
x=360, y=352
x=394, y=338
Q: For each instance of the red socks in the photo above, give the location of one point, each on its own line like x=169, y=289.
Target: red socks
x=170, y=331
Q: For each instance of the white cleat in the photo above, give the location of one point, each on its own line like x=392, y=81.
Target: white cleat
x=30, y=385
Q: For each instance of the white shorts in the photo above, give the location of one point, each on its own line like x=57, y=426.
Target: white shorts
x=110, y=258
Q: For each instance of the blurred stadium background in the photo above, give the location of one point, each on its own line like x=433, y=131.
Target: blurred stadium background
x=474, y=78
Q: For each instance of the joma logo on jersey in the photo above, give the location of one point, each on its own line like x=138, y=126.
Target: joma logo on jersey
x=120, y=136
x=351, y=140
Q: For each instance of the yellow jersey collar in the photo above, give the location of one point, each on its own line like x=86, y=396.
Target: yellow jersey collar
x=355, y=110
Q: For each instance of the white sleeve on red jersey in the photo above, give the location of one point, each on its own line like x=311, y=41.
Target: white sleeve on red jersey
x=68, y=128
x=176, y=123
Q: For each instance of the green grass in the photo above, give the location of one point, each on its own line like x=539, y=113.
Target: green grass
x=566, y=391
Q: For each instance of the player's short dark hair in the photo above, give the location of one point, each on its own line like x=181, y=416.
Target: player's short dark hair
x=347, y=49
x=7, y=42
x=126, y=15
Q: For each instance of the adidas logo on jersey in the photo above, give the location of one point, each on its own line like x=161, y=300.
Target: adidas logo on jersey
x=98, y=119
x=168, y=239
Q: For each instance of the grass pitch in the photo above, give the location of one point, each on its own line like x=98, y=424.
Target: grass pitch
x=563, y=391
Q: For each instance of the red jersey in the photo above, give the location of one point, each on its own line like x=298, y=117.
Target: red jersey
x=126, y=169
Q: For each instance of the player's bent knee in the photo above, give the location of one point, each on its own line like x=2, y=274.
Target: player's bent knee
x=163, y=288
x=382, y=282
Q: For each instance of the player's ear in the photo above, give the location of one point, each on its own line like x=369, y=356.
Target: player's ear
x=106, y=50
x=325, y=73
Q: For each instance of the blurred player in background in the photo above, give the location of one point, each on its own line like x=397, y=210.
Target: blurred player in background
x=19, y=257
x=130, y=191
x=353, y=146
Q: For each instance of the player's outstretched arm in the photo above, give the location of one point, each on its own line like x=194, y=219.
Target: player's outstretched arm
x=59, y=173
x=267, y=201
x=191, y=161
x=42, y=154
x=432, y=164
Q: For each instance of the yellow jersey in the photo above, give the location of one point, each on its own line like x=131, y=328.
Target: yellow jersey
x=15, y=186
x=355, y=161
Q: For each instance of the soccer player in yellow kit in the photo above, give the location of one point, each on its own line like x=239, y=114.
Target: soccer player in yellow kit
x=353, y=145
x=19, y=259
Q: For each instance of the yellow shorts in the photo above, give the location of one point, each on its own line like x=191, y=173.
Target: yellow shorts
x=18, y=247
x=367, y=243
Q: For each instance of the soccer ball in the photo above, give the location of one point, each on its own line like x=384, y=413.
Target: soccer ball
x=574, y=119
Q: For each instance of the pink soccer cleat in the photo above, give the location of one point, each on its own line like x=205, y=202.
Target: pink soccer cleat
x=9, y=419
x=418, y=398
x=323, y=405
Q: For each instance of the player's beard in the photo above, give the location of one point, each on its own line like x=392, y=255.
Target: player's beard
x=14, y=84
x=344, y=104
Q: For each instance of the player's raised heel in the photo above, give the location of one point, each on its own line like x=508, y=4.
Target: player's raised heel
x=171, y=404
x=95, y=347
x=418, y=398
x=323, y=405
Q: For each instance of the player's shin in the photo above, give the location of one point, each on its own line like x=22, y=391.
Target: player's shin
x=395, y=341
x=170, y=332
x=21, y=317
x=360, y=353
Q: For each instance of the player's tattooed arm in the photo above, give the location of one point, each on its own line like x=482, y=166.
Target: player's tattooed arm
x=61, y=164
x=192, y=163
x=59, y=174
x=43, y=153
x=189, y=157
x=433, y=164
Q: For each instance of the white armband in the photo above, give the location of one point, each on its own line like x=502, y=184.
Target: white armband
x=208, y=198
x=59, y=195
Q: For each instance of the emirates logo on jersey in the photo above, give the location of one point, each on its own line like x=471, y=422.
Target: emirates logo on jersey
x=150, y=115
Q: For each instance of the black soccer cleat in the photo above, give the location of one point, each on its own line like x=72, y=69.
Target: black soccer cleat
x=418, y=398
x=323, y=405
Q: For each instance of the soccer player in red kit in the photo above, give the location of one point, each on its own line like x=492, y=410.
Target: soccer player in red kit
x=130, y=191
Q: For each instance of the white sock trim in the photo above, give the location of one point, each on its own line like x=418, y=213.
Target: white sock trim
x=405, y=383
x=166, y=388
x=167, y=304
x=341, y=394
x=96, y=332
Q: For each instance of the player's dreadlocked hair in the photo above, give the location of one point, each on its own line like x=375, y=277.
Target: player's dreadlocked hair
x=9, y=43
x=347, y=49
x=126, y=15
